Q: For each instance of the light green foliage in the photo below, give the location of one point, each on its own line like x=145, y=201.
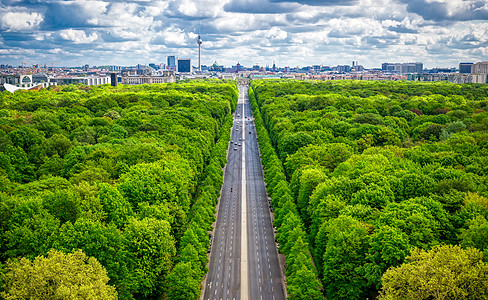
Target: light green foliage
x=304, y=285
x=344, y=258
x=476, y=235
x=182, y=283
x=445, y=272
x=328, y=156
x=415, y=220
x=292, y=143
x=57, y=276
x=151, y=248
x=164, y=181
x=309, y=179
x=117, y=207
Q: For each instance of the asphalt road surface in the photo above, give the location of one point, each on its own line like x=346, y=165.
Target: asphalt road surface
x=243, y=228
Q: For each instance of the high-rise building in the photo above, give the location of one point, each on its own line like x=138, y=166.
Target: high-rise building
x=480, y=68
x=343, y=69
x=184, y=65
x=405, y=68
x=465, y=68
x=171, y=61
x=391, y=67
x=113, y=79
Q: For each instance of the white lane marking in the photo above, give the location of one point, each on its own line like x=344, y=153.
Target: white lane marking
x=244, y=289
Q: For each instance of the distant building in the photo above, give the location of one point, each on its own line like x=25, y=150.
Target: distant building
x=216, y=67
x=451, y=77
x=113, y=79
x=27, y=81
x=442, y=70
x=404, y=68
x=465, y=68
x=87, y=80
x=167, y=76
x=391, y=67
x=480, y=68
x=412, y=68
x=343, y=69
x=171, y=63
x=184, y=65
x=115, y=68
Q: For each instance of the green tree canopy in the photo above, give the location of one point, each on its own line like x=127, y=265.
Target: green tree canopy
x=57, y=276
x=445, y=272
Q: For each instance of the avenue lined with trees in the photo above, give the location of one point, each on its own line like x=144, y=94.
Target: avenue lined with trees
x=379, y=188
x=383, y=184
x=117, y=186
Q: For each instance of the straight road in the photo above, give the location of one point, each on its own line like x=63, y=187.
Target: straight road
x=243, y=228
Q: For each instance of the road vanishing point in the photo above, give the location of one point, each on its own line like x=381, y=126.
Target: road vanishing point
x=244, y=260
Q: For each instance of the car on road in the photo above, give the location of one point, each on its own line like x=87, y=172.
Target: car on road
x=210, y=244
x=235, y=148
x=239, y=144
x=235, y=143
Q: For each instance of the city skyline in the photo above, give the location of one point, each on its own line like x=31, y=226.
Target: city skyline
x=290, y=33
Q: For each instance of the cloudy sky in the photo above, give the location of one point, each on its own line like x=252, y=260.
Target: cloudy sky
x=439, y=33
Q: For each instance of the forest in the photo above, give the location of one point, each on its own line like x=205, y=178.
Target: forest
x=379, y=188
x=109, y=193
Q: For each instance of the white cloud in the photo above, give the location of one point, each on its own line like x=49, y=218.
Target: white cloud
x=440, y=32
x=77, y=36
x=276, y=33
x=19, y=21
x=177, y=36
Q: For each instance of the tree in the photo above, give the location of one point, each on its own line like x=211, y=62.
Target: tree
x=118, y=209
x=476, y=235
x=292, y=142
x=309, y=180
x=303, y=285
x=344, y=258
x=415, y=220
x=151, y=249
x=30, y=231
x=167, y=180
x=182, y=284
x=388, y=248
x=374, y=196
x=57, y=276
x=105, y=243
x=445, y=272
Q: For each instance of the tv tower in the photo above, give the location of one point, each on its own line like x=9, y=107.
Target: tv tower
x=199, y=42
